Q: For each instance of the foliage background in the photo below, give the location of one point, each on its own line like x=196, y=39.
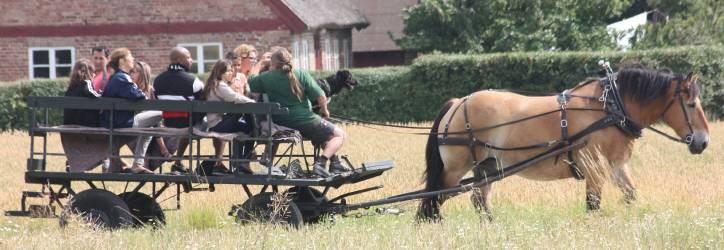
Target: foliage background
x=415, y=93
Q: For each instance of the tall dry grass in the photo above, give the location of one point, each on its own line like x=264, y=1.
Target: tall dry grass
x=680, y=205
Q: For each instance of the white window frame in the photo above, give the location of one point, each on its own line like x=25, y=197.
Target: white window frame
x=200, y=60
x=296, y=54
x=346, y=53
x=305, y=55
x=335, y=54
x=51, y=60
x=327, y=57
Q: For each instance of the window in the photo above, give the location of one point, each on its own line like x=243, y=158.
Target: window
x=205, y=55
x=50, y=62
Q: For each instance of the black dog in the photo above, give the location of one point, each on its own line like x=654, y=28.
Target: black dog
x=334, y=84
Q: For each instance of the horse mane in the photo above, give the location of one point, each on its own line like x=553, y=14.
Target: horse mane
x=644, y=85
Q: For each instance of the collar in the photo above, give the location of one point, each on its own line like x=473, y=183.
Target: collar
x=177, y=67
x=614, y=105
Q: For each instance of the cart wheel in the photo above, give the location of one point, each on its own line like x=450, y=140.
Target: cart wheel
x=99, y=207
x=309, y=200
x=145, y=210
x=265, y=208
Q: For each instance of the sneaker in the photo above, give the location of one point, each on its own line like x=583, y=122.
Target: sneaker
x=336, y=167
x=243, y=168
x=319, y=169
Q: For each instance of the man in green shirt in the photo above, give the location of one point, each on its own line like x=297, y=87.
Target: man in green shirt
x=293, y=89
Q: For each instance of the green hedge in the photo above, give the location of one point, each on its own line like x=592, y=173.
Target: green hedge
x=415, y=93
x=14, y=110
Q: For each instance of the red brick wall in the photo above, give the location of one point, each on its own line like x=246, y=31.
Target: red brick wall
x=82, y=12
x=153, y=49
x=255, y=22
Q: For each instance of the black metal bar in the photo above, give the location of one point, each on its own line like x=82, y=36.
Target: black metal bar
x=247, y=191
x=91, y=185
x=178, y=196
x=356, y=192
x=508, y=171
x=31, y=129
x=160, y=191
x=165, y=105
x=45, y=142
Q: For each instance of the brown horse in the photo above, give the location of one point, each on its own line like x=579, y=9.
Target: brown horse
x=588, y=113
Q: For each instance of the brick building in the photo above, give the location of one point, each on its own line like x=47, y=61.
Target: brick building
x=41, y=39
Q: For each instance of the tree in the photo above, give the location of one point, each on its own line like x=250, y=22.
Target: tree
x=508, y=25
x=691, y=22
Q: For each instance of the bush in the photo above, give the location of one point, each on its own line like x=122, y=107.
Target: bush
x=13, y=108
x=417, y=93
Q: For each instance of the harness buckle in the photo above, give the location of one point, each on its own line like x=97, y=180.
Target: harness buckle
x=564, y=123
x=689, y=139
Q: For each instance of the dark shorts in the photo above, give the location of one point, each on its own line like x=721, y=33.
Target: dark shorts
x=318, y=132
x=230, y=124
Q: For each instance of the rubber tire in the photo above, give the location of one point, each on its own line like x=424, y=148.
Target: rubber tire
x=306, y=196
x=259, y=209
x=99, y=207
x=145, y=210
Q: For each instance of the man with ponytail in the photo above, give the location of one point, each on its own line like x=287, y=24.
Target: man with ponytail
x=294, y=89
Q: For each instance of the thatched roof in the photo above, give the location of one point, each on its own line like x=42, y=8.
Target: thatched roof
x=331, y=14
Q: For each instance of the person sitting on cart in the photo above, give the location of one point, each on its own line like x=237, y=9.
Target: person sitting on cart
x=122, y=86
x=218, y=88
x=293, y=89
x=178, y=84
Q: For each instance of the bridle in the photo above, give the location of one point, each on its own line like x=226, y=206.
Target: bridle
x=612, y=88
x=689, y=138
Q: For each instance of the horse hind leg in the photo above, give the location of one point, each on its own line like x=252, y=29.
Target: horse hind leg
x=480, y=196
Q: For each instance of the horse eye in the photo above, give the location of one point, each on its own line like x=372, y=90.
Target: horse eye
x=691, y=105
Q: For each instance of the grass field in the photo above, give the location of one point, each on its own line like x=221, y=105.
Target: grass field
x=680, y=205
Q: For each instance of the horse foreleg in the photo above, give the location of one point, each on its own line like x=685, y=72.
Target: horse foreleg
x=481, y=201
x=623, y=182
x=593, y=194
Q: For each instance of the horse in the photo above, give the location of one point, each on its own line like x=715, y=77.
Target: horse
x=605, y=116
x=334, y=84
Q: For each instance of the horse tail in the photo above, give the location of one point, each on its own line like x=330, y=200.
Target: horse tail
x=430, y=207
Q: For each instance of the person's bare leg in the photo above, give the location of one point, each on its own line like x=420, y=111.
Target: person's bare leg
x=335, y=143
x=162, y=147
x=219, y=150
x=330, y=148
x=182, y=144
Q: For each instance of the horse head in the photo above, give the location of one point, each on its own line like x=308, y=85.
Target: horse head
x=685, y=114
x=671, y=98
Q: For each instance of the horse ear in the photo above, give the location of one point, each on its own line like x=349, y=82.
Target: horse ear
x=692, y=86
x=689, y=76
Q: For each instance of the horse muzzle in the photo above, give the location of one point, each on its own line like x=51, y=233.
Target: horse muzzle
x=699, y=142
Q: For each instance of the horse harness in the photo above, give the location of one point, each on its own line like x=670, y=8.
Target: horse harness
x=613, y=106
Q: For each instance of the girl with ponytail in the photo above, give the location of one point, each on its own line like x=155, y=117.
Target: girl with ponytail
x=294, y=89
